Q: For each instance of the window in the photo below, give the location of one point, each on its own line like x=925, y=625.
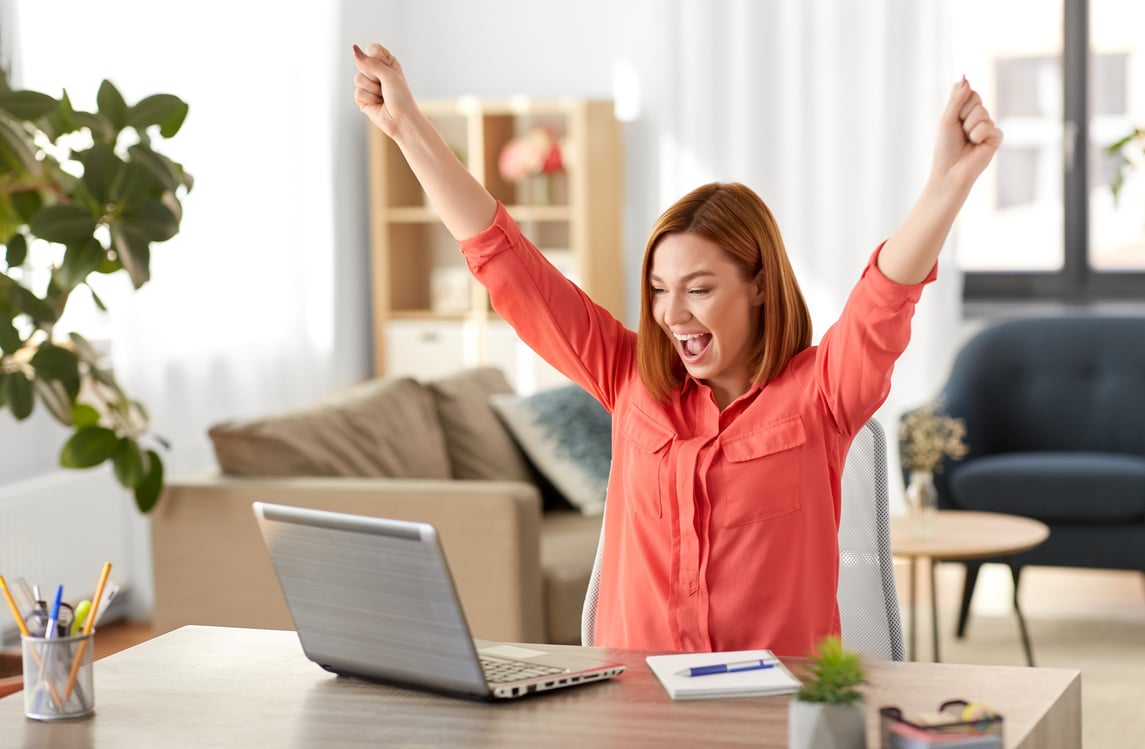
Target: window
x=1046, y=226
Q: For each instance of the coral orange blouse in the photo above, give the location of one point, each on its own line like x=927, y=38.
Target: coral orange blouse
x=721, y=528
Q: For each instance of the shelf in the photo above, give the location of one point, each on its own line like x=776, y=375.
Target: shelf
x=574, y=216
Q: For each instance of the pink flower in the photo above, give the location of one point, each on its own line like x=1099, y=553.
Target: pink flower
x=536, y=152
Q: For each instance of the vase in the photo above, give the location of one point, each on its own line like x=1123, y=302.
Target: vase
x=922, y=503
x=540, y=189
x=820, y=725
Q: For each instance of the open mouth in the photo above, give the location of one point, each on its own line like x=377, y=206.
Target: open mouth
x=693, y=345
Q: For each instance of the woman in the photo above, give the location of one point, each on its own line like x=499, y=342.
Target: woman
x=730, y=431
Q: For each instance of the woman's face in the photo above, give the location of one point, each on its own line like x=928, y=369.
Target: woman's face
x=707, y=309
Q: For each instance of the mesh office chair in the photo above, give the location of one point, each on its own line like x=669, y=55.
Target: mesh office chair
x=868, y=599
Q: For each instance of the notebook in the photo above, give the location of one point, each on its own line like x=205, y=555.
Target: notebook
x=374, y=598
x=672, y=671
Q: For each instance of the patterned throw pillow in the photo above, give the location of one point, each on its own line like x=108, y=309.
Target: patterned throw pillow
x=567, y=435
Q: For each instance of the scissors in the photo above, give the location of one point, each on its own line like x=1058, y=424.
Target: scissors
x=37, y=620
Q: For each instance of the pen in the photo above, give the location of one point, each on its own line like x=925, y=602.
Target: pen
x=50, y=630
x=727, y=668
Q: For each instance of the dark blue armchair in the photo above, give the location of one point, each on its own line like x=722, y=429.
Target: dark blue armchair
x=1055, y=426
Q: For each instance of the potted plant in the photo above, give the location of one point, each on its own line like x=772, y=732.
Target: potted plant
x=81, y=193
x=828, y=710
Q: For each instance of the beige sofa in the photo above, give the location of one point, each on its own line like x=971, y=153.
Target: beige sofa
x=433, y=451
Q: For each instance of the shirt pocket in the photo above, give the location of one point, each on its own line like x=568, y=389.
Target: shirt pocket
x=760, y=474
x=645, y=445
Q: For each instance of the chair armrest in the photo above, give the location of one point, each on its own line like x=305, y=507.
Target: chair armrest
x=211, y=565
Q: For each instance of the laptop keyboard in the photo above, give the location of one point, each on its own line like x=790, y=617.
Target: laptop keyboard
x=502, y=670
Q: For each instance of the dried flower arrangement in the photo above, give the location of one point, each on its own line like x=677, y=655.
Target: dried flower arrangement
x=927, y=435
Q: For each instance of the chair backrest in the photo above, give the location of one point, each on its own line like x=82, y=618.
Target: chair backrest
x=867, y=597
x=1060, y=384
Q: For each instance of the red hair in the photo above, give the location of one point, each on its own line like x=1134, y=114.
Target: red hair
x=736, y=219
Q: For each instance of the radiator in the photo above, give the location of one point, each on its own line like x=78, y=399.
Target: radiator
x=60, y=528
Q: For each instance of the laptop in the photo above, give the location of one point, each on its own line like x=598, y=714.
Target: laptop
x=373, y=598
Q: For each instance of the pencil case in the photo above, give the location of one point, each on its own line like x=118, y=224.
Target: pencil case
x=958, y=724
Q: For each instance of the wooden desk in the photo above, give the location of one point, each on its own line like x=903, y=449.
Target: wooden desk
x=214, y=686
x=961, y=534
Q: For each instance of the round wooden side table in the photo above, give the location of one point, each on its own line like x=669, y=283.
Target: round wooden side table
x=958, y=535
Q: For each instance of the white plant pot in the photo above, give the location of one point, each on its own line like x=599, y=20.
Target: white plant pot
x=818, y=725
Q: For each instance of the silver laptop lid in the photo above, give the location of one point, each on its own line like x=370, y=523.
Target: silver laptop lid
x=372, y=597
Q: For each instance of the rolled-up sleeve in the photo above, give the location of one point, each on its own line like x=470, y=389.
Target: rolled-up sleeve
x=550, y=313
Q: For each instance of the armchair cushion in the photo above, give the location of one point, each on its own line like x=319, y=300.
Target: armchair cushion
x=379, y=428
x=1055, y=486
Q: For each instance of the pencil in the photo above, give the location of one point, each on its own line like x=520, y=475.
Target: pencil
x=24, y=631
x=87, y=628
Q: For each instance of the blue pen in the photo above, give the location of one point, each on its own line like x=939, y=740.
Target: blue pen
x=49, y=633
x=54, y=618
x=727, y=668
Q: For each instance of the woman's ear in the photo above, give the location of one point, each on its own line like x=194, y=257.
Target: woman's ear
x=758, y=293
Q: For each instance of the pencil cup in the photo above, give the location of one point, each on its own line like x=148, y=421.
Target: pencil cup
x=58, y=681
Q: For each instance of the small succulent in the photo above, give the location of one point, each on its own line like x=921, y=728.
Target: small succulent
x=835, y=675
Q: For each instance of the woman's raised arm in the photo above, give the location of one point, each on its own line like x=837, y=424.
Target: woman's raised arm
x=381, y=91
x=967, y=141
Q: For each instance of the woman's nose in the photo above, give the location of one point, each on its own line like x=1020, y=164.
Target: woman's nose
x=675, y=311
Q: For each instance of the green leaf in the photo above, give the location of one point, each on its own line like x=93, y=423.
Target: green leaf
x=149, y=490
x=83, y=348
x=155, y=220
x=164, y=110
x=133, y=250
x=18, y=393
x=101, y=170
x=128, y=463
x=137, y=185
x=9, y=337
x=55, y=397
x=27, y=203
x=84, y=415
x=31, y=305
x=26, y=105
x=66, y=224
x=96, y=298
x=53, y=362
x=80, y=261
x=61, y=120
x=16, y=146
x=17, y=251
x=111, y=104
x=167, y=172
x=88, y=447
x=102, y=130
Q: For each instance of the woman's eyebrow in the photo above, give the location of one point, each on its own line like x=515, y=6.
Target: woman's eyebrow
x=684, y=279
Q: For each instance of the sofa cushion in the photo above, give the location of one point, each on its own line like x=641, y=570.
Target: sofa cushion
x=382, y=427
x=478, y=444
x=1054, y=486
x=567, y=435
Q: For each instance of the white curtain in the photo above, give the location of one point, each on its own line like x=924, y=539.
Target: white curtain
x=250, y=308
x=828, y=109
